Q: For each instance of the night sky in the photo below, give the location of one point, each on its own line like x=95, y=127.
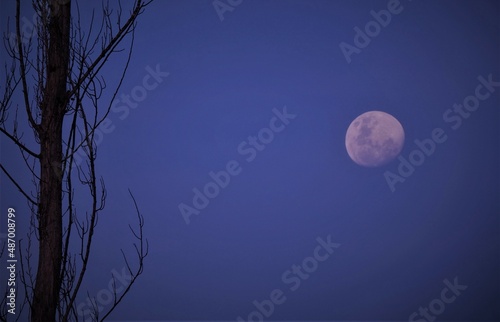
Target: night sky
x=250, y=106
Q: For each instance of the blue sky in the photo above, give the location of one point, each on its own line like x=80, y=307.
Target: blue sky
x=396, y=250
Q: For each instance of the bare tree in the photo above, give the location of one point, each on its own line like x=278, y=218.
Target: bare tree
x=58, y=72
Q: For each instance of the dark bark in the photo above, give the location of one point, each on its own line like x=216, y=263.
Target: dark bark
x=53, y=105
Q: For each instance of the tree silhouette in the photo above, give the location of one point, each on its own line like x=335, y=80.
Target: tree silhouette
x=58, y=72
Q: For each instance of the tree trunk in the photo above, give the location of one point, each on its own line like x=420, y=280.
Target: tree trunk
x=52, y=107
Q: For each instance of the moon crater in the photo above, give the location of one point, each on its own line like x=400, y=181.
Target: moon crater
x=374, y=139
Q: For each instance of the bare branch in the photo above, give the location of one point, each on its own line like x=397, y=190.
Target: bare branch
x=19, y=144
x=142, y=252
x=17, y=185
x=23, y=67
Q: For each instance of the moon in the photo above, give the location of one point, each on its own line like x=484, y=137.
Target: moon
x=374, y=139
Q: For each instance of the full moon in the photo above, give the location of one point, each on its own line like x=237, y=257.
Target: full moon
x=374, y=139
